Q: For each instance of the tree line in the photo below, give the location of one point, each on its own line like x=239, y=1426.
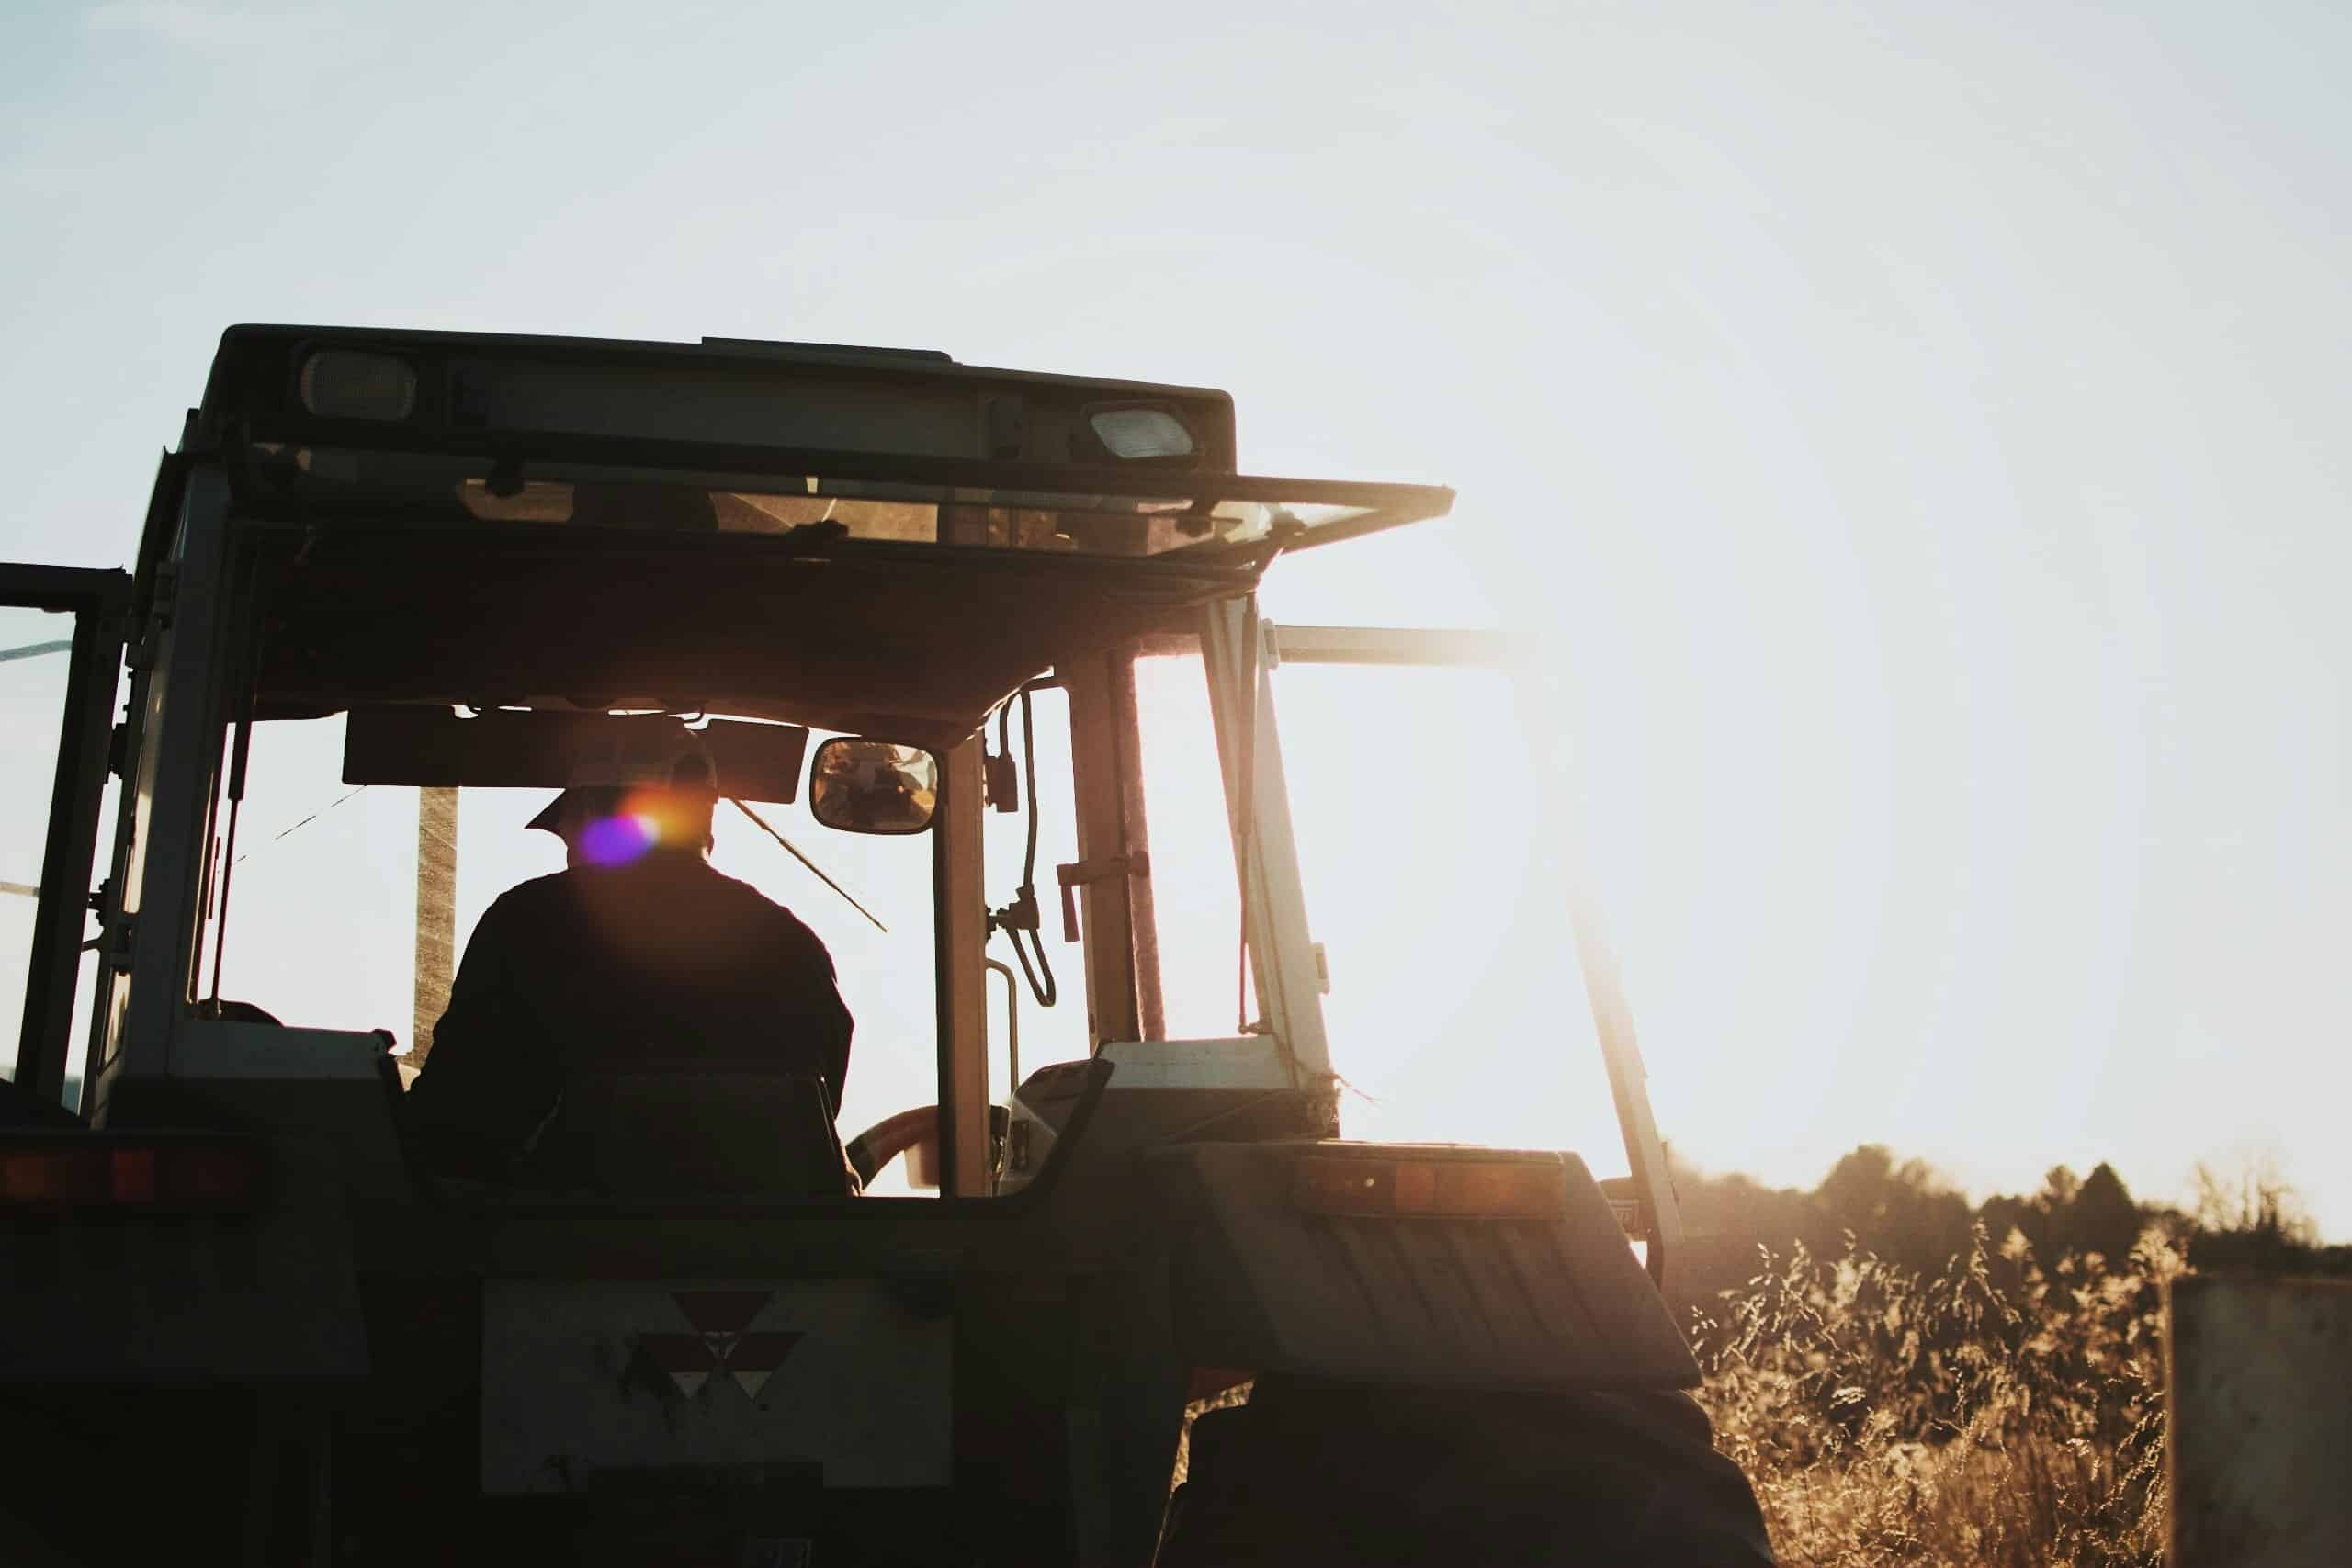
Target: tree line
x=1904, y=1212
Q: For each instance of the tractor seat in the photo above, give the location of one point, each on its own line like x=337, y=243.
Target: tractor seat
x=693, y=1132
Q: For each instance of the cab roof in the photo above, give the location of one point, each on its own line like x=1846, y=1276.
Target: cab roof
x=870, y=539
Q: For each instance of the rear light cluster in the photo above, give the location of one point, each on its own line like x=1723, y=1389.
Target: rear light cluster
x=1459, y=1189
x=94, y=1171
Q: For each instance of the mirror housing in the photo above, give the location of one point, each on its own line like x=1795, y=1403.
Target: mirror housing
x=873, y=786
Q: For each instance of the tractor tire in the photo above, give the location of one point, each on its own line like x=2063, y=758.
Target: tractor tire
x=1309, y=1474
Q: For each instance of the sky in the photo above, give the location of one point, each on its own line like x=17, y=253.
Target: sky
x=1907, y=439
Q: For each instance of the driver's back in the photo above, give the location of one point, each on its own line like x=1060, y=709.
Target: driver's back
x=657, y=969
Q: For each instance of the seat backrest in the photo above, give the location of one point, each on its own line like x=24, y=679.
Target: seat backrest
x=691, y=1131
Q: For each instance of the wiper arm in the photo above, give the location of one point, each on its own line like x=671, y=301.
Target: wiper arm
x=804, y=860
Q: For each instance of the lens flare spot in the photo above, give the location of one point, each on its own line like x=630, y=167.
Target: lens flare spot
x=616, y=840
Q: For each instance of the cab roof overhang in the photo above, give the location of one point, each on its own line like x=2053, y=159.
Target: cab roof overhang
x=862, y=639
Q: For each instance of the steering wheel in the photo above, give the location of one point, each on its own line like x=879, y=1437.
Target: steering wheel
x=893, y=1135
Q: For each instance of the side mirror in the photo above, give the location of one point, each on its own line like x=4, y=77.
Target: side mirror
x=873, y=786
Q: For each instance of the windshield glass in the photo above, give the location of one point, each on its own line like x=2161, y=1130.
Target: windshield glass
x=1437, y=881
x=33, y=664
x=324, y=914
x=1196, y=899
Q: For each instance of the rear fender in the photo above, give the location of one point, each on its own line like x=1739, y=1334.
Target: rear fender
x=1549, y=1297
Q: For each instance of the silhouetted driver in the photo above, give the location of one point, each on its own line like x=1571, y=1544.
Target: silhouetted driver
x=638, y=956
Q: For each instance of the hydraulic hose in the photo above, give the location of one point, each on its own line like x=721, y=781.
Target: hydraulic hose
x=1020, y=915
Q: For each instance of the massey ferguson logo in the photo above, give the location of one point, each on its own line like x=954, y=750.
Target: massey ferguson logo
x=722, y=1341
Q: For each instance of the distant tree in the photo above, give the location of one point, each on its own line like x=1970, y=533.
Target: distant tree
x=2028, y=1217
x=2102, y=1218
x=1907, y=1213
x=1858, y=1189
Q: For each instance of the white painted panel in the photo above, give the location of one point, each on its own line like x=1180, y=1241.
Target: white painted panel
x=1246, y=1062
x=852, y=1374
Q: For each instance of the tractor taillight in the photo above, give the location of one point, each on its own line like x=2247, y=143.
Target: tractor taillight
x=1462, y=1189
x=99, y=1171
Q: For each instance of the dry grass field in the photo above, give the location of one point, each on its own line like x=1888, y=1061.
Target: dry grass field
x=2001, y=1410
x=1998, y=1412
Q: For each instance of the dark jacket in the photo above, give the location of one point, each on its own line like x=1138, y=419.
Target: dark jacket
x=663, y=963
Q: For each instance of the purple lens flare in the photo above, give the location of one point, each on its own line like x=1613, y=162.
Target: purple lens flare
x=616, y=840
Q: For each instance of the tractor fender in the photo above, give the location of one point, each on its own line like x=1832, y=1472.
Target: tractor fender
x=1426, y=1279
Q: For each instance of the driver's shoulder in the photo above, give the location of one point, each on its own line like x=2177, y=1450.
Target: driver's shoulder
x=758, y=905
x=536, y=894
x=734, y=889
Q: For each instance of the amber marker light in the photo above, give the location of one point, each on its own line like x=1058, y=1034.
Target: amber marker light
x=72, y=1171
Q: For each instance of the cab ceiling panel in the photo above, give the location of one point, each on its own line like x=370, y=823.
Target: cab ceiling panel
x=917, y=650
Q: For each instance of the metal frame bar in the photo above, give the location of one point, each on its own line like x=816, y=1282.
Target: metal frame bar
x=1386, y=645
x=960, y=945
x=1282, y=954
x=1105, y=912
x=1613, y=1022
x=97, y=597
x=1134, y=826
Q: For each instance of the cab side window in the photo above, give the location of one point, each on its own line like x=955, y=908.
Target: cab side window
x=60, y=662
x=33, y=666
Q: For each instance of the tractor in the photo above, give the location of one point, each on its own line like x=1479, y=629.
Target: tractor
x=242, y=1320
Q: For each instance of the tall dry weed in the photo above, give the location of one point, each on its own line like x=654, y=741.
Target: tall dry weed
x=1999, y=1413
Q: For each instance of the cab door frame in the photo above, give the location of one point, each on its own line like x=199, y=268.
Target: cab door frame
x=1656, y=1215
x=98, y=598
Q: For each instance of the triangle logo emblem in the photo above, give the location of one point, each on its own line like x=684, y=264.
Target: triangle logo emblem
x=723, y=1341
x=685, y=1358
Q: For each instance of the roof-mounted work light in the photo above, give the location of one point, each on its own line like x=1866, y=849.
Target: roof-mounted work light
x=343, y=383
x=1141, y=432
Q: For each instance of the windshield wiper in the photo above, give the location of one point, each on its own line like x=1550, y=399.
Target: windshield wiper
x=804, y=860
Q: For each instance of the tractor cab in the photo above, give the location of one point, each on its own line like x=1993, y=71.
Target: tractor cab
x=976, y=661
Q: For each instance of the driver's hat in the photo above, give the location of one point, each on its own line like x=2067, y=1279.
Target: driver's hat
x=629, y=754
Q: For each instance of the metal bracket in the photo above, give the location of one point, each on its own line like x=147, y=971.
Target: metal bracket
x=1103, y=868
x=167, y=590
x=139, y=653
x=115, y=940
